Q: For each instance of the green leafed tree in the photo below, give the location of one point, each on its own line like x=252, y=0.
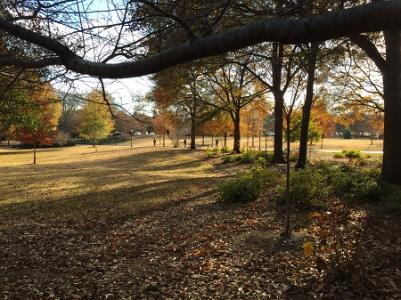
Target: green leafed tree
x=97, y=122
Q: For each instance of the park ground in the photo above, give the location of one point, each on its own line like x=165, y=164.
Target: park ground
x=147, y=223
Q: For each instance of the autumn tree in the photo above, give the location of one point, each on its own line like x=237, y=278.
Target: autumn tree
x=41, y=118
x=97, y=121
x=253, y=118
x=232, y=88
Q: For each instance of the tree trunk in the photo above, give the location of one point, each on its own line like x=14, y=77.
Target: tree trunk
x=237, y=133
x=193, y=133
x=306, y=110
x=35, y=145
x=225, y=139
x=278, y=129
x=287, y=232
x=277, y=65
x=392, y=105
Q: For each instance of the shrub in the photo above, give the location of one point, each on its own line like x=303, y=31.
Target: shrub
x=351, y=183
x=226, y=159
x=308, y=188
x=242, y=189
x=347, y=135
x=225, y=150
x=351, y=155
x=391, y=196
x=339, y=155
x=247, y=157
x=212, y=152
x=247, y=186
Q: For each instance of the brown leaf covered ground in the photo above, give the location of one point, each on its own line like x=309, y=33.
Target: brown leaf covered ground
x=148, y=224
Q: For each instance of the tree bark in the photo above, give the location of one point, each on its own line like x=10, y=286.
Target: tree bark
x=237, y=132
x=392, y=106
x=306, y=109
x=278, y=129
x=193, y=133
x=277, y=65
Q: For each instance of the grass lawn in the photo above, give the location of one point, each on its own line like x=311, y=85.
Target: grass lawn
x=147, y=223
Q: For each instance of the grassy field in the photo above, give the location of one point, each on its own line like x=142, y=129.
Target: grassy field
x=79, y=182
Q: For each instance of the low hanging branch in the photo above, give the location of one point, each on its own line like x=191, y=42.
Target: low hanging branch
x=372, y=17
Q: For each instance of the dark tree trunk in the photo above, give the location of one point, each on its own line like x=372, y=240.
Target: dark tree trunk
x=278, y=129
x=392, y=105
x=225, y=139
x=237, y=133
x=306, y=110
x=193, y=133
x=277, y=65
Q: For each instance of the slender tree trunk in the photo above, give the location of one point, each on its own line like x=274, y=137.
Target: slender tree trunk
x=193, y=133
x=225, y=139
x=164, y=138
x=247, y=138
x=35, y=145
x=237, y=133
x=203, y=140
x=287, y=232
x=306, y=110
x=253, y=135
x=392, y=104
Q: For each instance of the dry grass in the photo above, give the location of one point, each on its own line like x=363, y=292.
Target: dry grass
x=81, y=184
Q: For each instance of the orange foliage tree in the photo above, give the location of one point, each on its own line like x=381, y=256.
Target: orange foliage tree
x=43, y=116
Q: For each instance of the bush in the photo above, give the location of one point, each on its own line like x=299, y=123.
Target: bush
x=355, y=183
x=247, y=157
x=241, y=189
x=308, y=188
x=391, y=196
x=247, y=186
x=351, y=155
x=225, y=150
x=339, y=155
x=212, y=152
x=347, y=135
x=227, y=159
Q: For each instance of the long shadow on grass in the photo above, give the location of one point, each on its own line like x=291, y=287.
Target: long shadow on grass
x=110, y=205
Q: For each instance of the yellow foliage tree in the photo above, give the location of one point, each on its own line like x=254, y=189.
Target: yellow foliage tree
x=97, y=121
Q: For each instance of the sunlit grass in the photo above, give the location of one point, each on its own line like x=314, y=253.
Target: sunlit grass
x=79, y=183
